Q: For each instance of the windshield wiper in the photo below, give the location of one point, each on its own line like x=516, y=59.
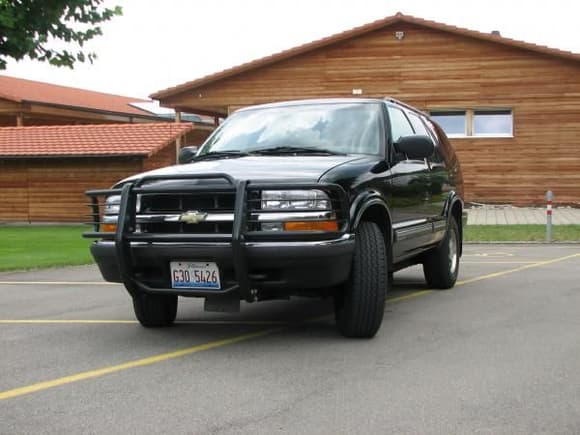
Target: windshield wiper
x=296, y=150
x=219, y=155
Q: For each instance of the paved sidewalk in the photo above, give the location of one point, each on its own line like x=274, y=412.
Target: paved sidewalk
x=508, y=215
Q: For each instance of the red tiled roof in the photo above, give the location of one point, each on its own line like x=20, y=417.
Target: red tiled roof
x=352, y=33
x=89, y=140
x=19, y=90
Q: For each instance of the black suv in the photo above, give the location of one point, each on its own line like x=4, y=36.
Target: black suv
x=310, y=198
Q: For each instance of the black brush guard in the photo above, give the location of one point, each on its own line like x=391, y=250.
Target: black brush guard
x=126, y=224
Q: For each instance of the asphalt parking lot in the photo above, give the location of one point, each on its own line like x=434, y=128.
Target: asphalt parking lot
x=499, y=353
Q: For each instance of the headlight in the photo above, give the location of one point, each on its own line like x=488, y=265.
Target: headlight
x=295, y=200
x=111, y=212
x=296, y=210
x=112, y=204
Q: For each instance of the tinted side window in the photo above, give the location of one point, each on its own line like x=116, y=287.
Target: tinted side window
x=418, y=125
x=437, y=157
x=399, y=124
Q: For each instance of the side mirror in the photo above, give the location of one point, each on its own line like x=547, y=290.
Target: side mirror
x=415, y=147
x=186, y=154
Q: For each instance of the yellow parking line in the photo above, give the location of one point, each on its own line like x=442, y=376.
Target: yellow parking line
x=517, y=269
x=58, y=283
x=61, y=321
x=40, y=386
x=132, y=322
x=409, y=296
x=498, y=262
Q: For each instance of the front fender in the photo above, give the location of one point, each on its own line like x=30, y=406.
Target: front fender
x=363, y=202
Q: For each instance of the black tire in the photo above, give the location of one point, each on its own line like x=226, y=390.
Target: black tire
x=360, y=304
x=155, y=311
x=441, y=264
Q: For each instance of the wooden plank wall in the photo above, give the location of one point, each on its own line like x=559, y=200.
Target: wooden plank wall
x=435, y=69
x=165, y=157
x=52, y=190
x=197, y=136
x=13, y=190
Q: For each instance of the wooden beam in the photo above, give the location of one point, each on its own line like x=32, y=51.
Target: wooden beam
x=51, y=111
x=178, y=139
x=206, y=111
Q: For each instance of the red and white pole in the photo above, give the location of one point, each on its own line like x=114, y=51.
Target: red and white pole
x=549, y=199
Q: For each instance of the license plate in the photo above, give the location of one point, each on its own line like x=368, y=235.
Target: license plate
x=195, y=274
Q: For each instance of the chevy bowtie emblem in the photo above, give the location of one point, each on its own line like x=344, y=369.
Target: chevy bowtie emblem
x=193, y=217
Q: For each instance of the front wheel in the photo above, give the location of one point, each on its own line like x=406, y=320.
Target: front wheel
x=441, y=264
x=154, y=310
x=360, y=304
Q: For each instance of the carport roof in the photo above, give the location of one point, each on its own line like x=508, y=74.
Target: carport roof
x=30, y=91
x=100, y=140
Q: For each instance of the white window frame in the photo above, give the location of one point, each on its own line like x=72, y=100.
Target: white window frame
x=469, y=122
x=447, y=110
x=511, y=132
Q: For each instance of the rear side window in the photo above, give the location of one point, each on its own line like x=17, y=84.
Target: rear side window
x=400, y=126
x=440, y=151
x=418, y=125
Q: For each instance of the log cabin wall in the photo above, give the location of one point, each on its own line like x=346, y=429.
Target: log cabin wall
x=52, y=189
x=435, y=69
x=165, y=157
x=13, y=190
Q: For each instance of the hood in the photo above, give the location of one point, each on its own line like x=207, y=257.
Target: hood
x=262, y=168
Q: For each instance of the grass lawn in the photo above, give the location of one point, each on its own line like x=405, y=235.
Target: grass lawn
x=520, y=233
x=31, y=246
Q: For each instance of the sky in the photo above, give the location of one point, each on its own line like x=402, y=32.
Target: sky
x=157, y=44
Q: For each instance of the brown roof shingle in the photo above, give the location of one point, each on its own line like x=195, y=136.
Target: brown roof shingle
x=20, y=90
x=89, y=140
x=352, y=33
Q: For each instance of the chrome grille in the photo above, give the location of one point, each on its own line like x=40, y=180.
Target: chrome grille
x=160, y=213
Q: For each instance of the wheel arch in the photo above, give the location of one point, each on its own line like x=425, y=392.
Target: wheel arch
x=374, y=209
x=455, y=211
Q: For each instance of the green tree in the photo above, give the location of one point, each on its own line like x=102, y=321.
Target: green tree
x=53, y=31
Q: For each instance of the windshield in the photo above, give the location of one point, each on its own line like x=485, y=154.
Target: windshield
x=351, y=128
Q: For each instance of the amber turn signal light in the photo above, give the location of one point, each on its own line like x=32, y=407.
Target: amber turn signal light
x=108, y=228
x=311, y=226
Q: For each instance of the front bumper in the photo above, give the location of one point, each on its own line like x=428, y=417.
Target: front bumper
x=271, y=266
x=248, y=260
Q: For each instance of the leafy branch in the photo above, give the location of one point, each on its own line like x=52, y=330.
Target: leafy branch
x=30, y=28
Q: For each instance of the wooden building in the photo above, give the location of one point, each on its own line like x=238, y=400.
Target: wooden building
x=512, y=108
x=45, y=170
x=28, y=102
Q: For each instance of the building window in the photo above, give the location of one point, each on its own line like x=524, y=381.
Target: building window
x=492, y=123
x=453, y=122
x=475, y=122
